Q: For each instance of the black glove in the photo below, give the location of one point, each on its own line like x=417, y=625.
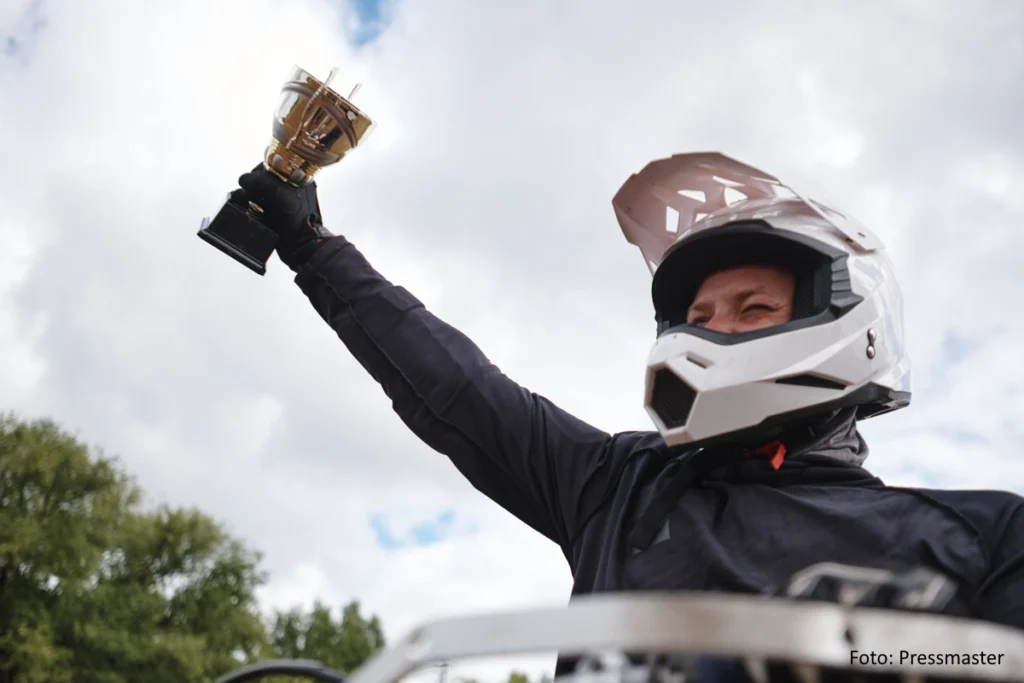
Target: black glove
x=920, y=589
x=915, y=590
x=292, y=212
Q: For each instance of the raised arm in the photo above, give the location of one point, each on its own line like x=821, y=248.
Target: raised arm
x=519, y=449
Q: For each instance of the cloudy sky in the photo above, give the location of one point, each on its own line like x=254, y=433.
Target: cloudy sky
x=504, y=129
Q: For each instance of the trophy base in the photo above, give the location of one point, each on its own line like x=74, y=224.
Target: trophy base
x=237, y=231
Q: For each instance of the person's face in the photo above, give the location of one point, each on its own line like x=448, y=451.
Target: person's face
x=743, y=299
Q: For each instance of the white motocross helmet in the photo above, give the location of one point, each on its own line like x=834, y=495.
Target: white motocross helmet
x=694, y=214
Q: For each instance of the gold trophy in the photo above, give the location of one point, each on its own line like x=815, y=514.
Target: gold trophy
x=313, y=127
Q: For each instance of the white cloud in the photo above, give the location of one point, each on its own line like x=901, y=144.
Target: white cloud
x=504, y=130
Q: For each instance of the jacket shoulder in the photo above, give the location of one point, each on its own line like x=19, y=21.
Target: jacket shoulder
x=991, y=512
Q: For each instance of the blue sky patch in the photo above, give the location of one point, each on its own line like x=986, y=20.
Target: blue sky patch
x=369, y=11
x=425, y=533
x=373, y=19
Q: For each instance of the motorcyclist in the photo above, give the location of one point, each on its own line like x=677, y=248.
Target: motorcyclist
x=779, y=327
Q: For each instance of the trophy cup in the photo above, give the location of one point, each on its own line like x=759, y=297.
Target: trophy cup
x=313, y=127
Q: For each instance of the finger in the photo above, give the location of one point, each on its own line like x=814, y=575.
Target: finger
x=247, y=181
x=309, y=196
x=258, y=181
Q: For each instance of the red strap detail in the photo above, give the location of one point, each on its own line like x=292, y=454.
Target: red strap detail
x=774, y=451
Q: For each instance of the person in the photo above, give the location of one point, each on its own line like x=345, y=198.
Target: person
x=779, y=328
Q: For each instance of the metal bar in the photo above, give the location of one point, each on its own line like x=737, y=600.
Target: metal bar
x=822, y=634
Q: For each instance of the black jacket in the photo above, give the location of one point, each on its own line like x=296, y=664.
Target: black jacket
x=585, y=489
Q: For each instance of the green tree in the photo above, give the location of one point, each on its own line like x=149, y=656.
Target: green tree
x=96, y=589
x=513, y=677
x=342, y=644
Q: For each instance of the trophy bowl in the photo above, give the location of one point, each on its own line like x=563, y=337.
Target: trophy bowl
x=313, y=127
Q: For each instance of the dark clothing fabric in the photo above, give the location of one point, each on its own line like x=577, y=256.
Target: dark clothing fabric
x=744, y=528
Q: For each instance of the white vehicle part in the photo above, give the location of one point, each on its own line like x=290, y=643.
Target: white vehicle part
x=804, y=635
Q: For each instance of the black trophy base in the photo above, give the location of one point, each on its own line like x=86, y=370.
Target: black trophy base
x=237, y=231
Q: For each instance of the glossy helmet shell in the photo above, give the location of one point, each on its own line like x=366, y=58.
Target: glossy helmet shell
x=694, y=214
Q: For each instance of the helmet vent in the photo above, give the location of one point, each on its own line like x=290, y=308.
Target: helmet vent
x=814, y=381
x=671, y=219
x=671, y=399
x=699, y=362
x=733, y=196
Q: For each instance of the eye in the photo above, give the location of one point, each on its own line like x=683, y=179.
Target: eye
x=759, y=308
x=698, y=322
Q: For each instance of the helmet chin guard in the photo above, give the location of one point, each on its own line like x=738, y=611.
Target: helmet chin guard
x=694, y=214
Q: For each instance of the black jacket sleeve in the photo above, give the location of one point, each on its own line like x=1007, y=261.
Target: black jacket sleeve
x=516, y=447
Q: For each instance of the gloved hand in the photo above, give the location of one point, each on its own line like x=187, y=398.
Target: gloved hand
x=292, y=212
x=919, y=589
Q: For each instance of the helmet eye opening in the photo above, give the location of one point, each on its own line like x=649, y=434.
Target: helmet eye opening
x=821, y=276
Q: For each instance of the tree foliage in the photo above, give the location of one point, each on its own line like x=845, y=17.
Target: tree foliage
x=513, y=677
x=94, y=588
x=341, y=644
